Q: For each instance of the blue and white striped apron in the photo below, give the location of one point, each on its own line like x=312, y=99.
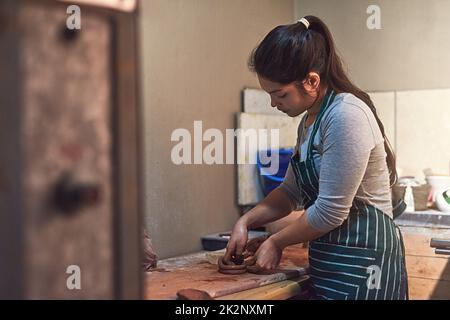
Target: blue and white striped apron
x=361, y=259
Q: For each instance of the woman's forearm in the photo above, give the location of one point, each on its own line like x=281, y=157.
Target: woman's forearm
x=275, y=206
x=297, y=232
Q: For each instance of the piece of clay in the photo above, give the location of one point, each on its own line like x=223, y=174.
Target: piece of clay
x=254, y=244
x=254, y=269
x=237, y=260
x=237, y=271
x=149, y=257
x=231, y=267
x=193, y=294
x=245, y=262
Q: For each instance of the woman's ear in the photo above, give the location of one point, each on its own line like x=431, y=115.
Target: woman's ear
x=311, y=83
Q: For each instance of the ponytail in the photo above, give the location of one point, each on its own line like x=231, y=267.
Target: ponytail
x=289, y=52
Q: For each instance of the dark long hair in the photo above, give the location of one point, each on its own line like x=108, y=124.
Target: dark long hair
x=289, y=52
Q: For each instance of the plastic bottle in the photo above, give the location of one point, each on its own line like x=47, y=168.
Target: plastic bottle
x=409, y=198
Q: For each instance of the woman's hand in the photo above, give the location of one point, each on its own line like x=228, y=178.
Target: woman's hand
x=273, y=207
x=238, y=240
x=268, y=255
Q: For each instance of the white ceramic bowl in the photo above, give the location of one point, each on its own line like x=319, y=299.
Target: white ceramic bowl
x=443, y=201
x=438, y=184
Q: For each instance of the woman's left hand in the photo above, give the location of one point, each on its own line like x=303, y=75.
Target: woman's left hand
x=268, y=255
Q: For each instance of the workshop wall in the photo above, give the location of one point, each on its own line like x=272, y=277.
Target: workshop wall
x=194, y=66
x=409, y=52
x=403, y=64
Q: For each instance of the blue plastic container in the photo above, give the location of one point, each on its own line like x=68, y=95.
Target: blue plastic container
x=271, y=181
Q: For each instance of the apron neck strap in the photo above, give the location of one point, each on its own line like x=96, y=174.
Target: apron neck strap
x=327, y=101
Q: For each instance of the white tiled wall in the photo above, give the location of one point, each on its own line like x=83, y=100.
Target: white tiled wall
x=418, y=125
x=423, y=131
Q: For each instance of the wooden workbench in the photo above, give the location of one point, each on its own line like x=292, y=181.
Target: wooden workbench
x=199, y=271
x=428, y=272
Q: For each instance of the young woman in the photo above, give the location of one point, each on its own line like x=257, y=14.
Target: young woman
x=341, y=172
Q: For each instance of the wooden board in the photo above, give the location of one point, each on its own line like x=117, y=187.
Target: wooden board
x=276, y=291
x=249, y=188
x=196, y=272
x=428, y=273
x=429, y=268
x=428, y=289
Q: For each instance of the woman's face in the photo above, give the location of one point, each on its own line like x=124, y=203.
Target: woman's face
x=287, y=97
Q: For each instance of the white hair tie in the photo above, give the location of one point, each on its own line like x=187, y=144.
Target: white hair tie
x=305, y=22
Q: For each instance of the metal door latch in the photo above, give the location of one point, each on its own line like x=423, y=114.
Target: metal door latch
x=72, y=193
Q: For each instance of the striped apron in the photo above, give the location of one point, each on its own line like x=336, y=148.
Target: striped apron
x=361, y=259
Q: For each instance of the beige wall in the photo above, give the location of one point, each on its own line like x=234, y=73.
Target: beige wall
x=409, y=58
x=411, y=51
x=194, y=56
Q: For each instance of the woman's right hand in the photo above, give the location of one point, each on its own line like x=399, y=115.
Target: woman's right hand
x=238, y=240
